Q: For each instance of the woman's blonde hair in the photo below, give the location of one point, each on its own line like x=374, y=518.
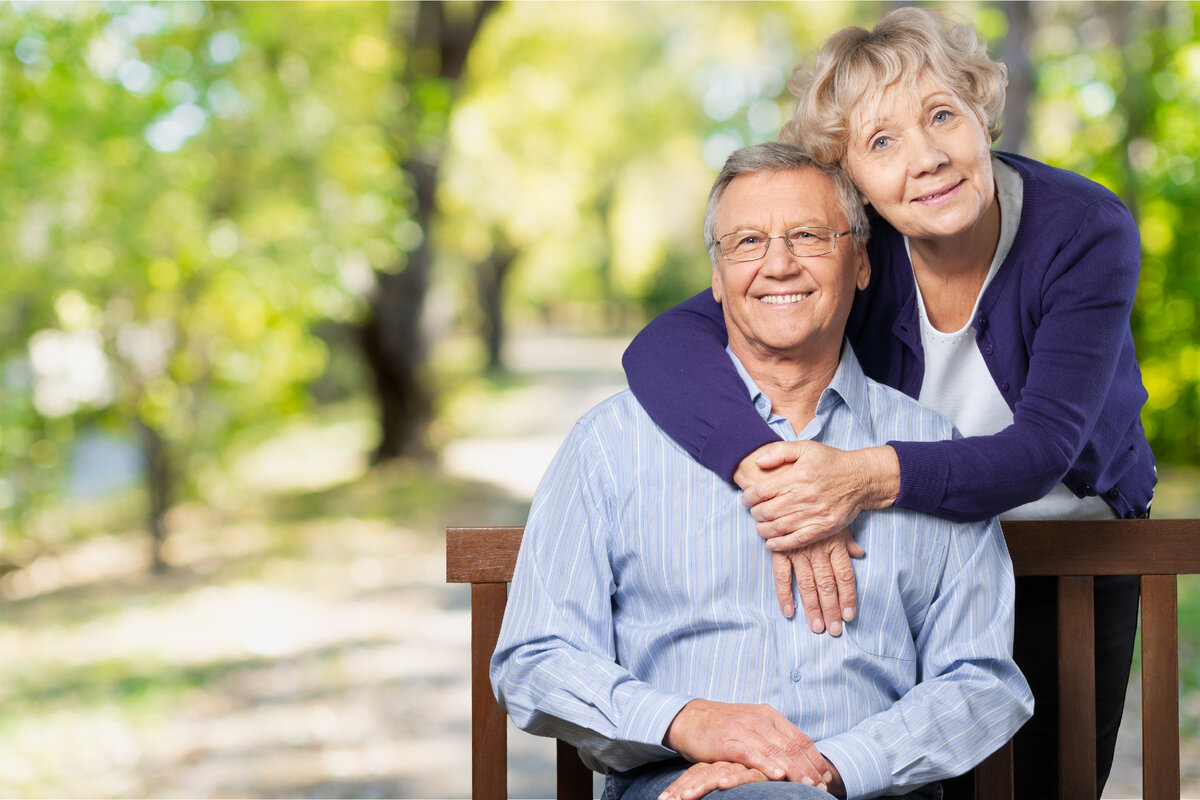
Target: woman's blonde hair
x=908, y=44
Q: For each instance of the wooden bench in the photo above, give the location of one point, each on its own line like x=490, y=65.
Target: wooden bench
x=1158, y=550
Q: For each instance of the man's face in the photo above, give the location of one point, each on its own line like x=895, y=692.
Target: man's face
x=784, y=306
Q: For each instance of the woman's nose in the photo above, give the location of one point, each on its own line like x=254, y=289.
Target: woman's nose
x=925, y=154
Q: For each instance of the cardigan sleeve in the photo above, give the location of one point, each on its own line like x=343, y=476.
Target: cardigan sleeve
x=679, y=371
x=1078, y=326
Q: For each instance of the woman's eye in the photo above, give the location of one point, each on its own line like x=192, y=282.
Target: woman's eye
x=880, y=143
x=942, y=116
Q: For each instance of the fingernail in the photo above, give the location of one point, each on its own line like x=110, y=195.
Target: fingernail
x=789, y=611
x=847, y=614
x=828, y=777
x=778, y=773
x=817, y=626
x=808, y=780
x=835, y=628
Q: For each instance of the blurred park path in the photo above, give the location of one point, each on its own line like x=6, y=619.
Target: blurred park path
x=306, y=645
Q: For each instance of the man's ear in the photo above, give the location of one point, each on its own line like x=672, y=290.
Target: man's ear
x=717, y=284
x=862, y=268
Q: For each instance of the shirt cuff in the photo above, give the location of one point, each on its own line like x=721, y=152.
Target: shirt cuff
x=863, y=768
x=648, y=716
x=924, y=473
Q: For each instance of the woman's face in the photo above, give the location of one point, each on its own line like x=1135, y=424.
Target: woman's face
x=922, y=158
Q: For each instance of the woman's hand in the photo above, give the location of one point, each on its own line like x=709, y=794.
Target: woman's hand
x=803, y=492
x=700, y=779
x=824, y=577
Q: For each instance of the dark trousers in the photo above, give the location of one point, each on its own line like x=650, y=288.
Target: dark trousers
x=1035, y=649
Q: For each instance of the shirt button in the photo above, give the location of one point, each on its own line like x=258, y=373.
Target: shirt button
x=796, y=676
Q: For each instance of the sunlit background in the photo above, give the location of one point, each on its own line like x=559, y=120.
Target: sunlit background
x=287, y=288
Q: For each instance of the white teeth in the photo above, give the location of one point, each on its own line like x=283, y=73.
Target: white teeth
x=776, y=299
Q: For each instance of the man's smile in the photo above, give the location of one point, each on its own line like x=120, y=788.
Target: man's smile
x=781, y=299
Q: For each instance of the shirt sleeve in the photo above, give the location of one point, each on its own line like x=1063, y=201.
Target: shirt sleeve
x=970, y=697
x=679, y=371
x=1081, y=331
x=555, y=667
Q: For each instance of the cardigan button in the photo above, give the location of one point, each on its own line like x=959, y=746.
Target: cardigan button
x=987, y=348
x=1004, y=386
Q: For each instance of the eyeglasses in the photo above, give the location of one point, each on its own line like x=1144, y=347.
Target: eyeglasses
x=802, y=242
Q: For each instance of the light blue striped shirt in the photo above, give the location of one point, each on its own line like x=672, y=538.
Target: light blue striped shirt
x=642, y=584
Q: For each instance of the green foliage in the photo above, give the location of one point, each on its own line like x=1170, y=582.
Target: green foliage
x=1118, y=86
x=189, y=190
x=192, y=190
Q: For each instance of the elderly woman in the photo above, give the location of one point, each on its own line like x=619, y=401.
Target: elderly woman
x=1000, y=295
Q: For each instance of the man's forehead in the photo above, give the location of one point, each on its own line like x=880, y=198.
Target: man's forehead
x=805, y=195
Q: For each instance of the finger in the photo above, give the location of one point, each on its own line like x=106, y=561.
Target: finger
x=739, y=775
x=781, y=569
x=806, y=587
x=805, y=762
x=843, y=574
x=777, y=454
x=792, y=532
x=763, y=490
x=827, y=589
x=696, y=781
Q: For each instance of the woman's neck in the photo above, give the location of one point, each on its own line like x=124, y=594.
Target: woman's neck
x=966, y=254
x=951, y=272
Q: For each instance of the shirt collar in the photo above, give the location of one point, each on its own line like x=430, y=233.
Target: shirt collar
x=849, y=386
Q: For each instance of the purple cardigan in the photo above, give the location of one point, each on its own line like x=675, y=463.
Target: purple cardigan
x=1053, y=327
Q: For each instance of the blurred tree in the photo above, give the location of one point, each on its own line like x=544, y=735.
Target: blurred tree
x=1118, y=86
x=433, y=40
x=192, y=190
x=160, y=242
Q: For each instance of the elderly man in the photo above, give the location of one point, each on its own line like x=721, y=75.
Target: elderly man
x=641, y=623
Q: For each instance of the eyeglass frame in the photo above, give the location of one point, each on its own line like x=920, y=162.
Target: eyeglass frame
x=786, y=242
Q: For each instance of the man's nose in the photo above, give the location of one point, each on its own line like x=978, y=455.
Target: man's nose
x=779, y=259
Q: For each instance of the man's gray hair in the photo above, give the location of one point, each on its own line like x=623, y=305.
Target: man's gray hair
x=782, y=157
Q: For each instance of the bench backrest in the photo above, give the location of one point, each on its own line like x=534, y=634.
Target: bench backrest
x=1072, y=551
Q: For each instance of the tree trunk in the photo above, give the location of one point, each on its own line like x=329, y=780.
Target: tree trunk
x=434, y=45
x=490, y=275
x=1015, y=53
x=158, y=490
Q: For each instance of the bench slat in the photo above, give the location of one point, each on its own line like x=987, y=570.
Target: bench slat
x=1076, y=689
x=1160, y=692
x=489, y=727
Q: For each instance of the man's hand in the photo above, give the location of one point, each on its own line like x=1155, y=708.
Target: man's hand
x=824, y=578
x=700, y=779
x=755, y=736
x=804, y=492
